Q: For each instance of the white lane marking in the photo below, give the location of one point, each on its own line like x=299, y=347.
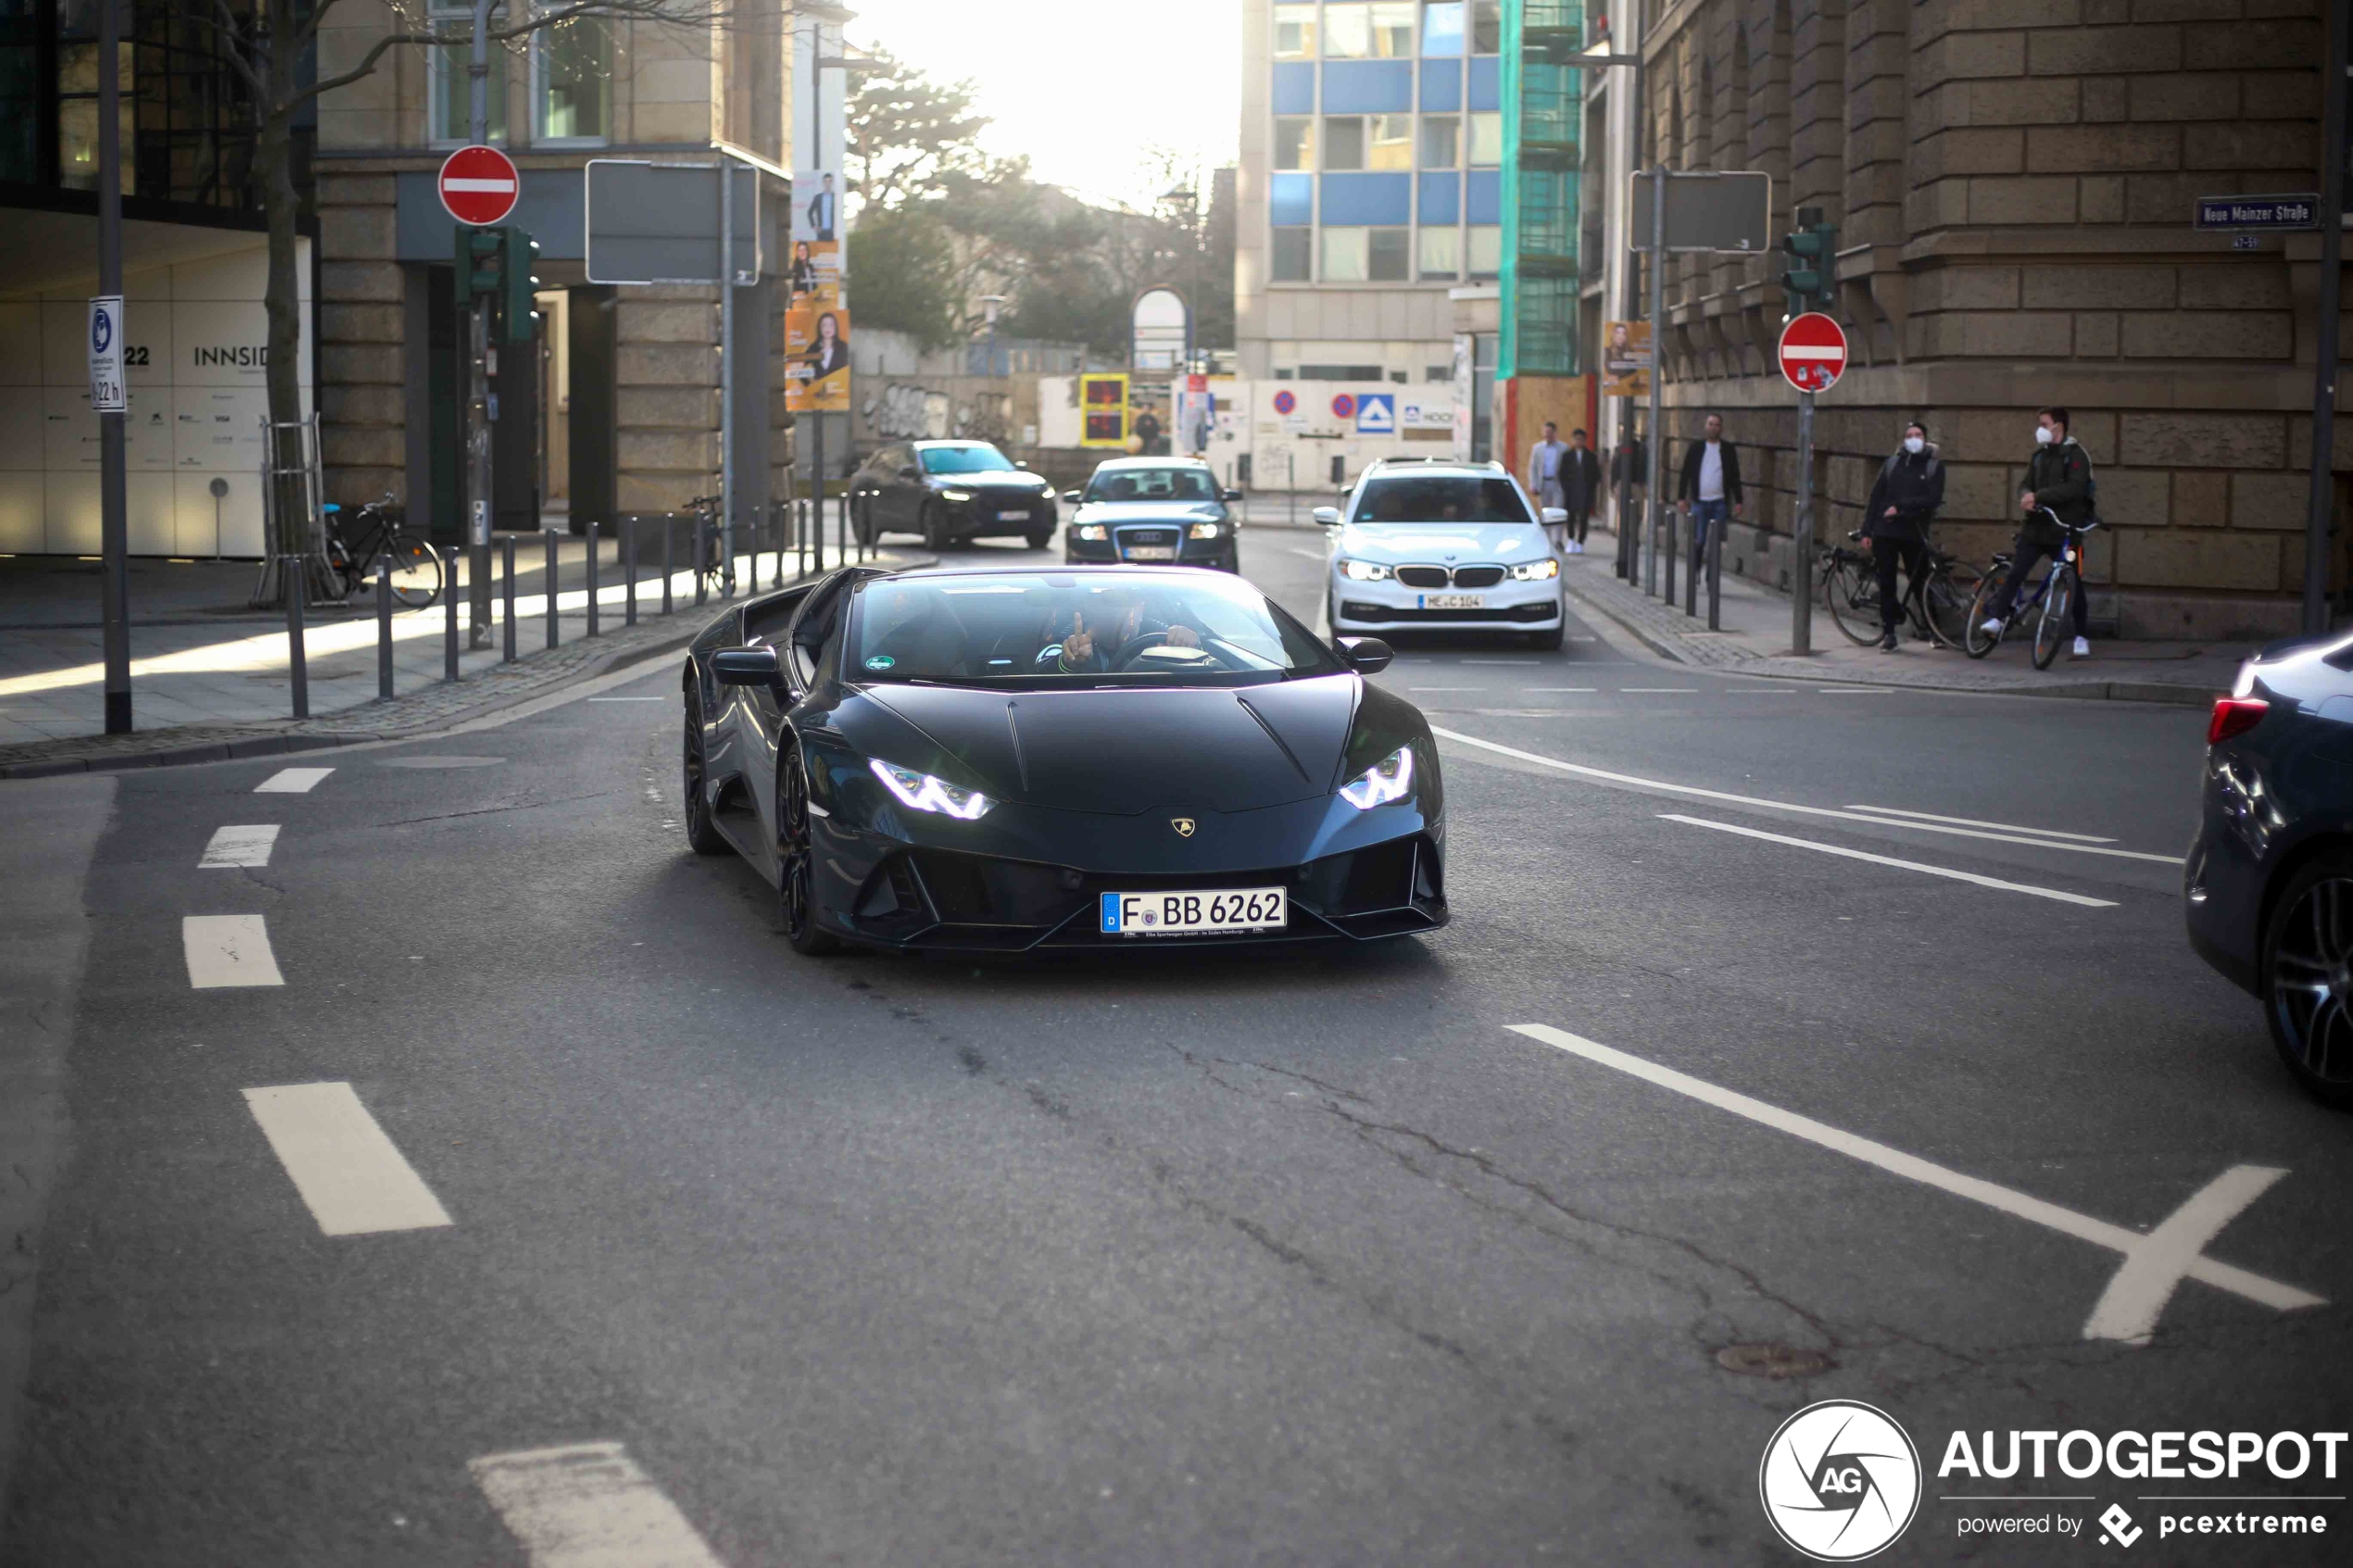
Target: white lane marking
x=1697, y=792
x=628, y=699
x=1682, y=691
x=239, y=846
x=2129, y=1309
x=1445, y=688
x=1973, y=823
x=1303, y=550
x=1499, y=662
x=350, y=1176
x=227, y=950
x=589, y=1506
x=1765, y=691
x=1839, y=849
x=1564, y=689
x=1856, y=691
x=292, y=781
x=2067, y=1221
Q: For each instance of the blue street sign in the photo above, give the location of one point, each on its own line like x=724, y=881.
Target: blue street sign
x=2295, y=211
x=1376, y=414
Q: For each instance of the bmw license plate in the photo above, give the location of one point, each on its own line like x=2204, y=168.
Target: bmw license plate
x=1454, y=601
x=1151, y=552
x=1153, y=914
x=1013, y=517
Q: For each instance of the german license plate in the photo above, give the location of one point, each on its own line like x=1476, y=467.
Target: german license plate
x=1013, y=517
x=1178, y=914
x=1151, y=552
x=1454, y=601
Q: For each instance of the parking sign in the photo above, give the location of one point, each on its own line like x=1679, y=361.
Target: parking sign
x=1376, y=414
x=107, y=394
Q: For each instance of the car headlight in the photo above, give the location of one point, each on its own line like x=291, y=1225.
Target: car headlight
x=1389, y=779
x=922, y=792
x=957, y=495
x=1204, y=531
x=1093, y=532
x=1364, y=571
x=1536, y=570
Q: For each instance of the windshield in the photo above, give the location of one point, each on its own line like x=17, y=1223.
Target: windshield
x=964, y=459
x=1151, y=485
x=1126, y=628
x=1426, y=499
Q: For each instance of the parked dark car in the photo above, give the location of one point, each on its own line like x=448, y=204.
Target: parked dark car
x=1162, y=511
x=948, y=492
x=2269, y=884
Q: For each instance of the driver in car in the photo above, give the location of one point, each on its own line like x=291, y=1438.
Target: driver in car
x=1087, y=650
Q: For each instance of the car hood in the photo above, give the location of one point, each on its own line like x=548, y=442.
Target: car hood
x=1394, y=541
x=1117, y=512
x=1121, y=752
x=995, y=478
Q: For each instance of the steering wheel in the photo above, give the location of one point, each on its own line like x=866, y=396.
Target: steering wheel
x=1135, y=646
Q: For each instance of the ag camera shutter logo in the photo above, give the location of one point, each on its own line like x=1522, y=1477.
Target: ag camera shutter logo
x=1839, y=1481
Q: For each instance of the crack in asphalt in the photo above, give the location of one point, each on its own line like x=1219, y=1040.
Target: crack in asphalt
x=509, y=804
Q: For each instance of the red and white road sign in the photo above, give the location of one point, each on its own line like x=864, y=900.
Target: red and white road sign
x=479, y=185
x=1813, y=352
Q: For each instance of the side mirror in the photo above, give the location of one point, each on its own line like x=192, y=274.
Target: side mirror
x=748, y=667
x=1328, y=516
x=1070, y=497
x=1230, y=494
x=1367, y=656
x=1556, y=514
x=910, y=470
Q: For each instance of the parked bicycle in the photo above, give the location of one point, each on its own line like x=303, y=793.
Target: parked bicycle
x=378, y=542
x=1936, y=603
x=2054, y=597
x=717, y=568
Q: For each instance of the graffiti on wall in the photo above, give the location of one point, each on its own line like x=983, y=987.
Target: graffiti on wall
x=910, y=411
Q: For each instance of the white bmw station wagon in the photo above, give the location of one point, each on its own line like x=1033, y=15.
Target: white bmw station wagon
x=1442, y=547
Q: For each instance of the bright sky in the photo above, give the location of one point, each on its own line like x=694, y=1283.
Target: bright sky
x=1083, y=87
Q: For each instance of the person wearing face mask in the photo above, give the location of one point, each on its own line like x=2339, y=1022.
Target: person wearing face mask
x=1904, y=502
x=2057, y=476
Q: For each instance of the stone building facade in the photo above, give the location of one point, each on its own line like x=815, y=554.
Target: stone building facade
x=2014, y=183
x=640, y=428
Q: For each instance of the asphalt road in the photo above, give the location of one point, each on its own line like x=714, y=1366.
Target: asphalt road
x=1286, y=1260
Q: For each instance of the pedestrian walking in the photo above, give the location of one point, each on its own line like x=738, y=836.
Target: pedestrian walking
x=2057, y=476
x=1710, y=485
x=1544, y=482
x=1905, y=499
x=1580, y=488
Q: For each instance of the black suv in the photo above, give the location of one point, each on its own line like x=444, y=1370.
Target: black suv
x=950, y=491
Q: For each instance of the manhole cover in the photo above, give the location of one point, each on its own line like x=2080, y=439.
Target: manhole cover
x=1773, y=1360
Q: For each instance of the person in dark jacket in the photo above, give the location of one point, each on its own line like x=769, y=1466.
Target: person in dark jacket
x=1580, y=488
x=1904, y=502
x=1711, y=484
x=2057, y=476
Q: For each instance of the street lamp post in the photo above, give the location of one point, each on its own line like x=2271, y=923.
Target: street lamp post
x=478, y=352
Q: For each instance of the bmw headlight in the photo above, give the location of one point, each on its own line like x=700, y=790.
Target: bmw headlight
x=1204, y=531
x=1364, y=571
x=1093, y=532
x=957, y=495
x=1536, y=570
x=922, y=792
x=1389, y=779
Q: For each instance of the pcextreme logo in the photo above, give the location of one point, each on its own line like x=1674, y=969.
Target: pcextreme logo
x=1839, y=1481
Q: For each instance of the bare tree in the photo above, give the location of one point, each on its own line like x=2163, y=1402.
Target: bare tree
x=266, y=42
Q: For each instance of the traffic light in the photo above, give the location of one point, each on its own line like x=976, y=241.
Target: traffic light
x=1809, y=272
x=518, y=263
x=477, y=259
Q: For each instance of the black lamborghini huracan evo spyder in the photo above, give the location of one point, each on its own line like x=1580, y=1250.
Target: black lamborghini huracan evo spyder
x=1059, y=758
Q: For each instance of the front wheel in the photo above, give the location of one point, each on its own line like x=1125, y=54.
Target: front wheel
x=1853, y=599
x=935, y=529
x=795, y=858
x=1975, y=640
x=2058, y=614
x=416, y=571
x=865, y=525
x=702, y=835
x=1947, y=597
x=2306, y=954
x=1547, y=641
x=1039, y=541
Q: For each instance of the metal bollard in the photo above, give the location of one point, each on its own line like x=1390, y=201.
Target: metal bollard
x=384, y=629
x=449, y=621
x=289, y=572
x=628, y=548
x=507, y=548
x=549, y=535
x=1716, y=580
x=702, y=553
x=669, y=570
x=592, y=542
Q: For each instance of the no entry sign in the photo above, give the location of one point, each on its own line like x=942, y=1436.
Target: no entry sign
x=479, y=185
x=1813, y=352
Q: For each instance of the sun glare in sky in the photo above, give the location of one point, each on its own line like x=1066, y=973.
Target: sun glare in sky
x=1083, y=88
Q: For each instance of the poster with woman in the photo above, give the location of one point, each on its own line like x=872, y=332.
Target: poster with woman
x=817, y=355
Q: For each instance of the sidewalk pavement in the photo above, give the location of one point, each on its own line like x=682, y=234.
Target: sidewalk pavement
x=210, y=680
x=1755, y=641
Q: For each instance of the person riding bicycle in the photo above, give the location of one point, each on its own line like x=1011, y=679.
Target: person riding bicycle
x=1904, y=502
x=2058, y=477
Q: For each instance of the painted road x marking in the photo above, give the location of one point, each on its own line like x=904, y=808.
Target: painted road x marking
x=2158, y=1258
x=234, y=846
x=292, y=781
x=352, y=1177
x=1839, y=849
x=589, y=1506
x=224, y=951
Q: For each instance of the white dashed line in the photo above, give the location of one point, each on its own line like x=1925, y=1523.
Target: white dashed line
x=292, y=781
x=248, y=846
x=632, y=698
x=1856, y=691
x=1662, y=691
x=350, y=1176
x=227, y=950
x=2116, y=1238
x=1565, y=689
x=1839, y=849
x=589, y=1506
x=1444, y=688
x=1973, y=823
